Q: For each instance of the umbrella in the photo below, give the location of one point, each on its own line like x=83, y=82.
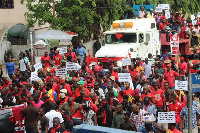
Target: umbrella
x=54, y=34
x=19, y=30
x=40, y=42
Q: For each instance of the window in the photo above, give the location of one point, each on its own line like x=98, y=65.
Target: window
x=6, y=4
x=141, y=37
x=147, y=37
x=126, y=38
x=153, y=25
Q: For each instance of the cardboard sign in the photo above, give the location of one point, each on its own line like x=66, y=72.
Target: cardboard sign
x=70, y=66
x=164, y=6
x=38, y=66
x=34, y=76
x=167, y=14
x=198, y=15
x=174, y=44
x=158, y=9
x=166, y=117
x=181, y=85
x=61, y=72
x=124, y=77
x=126, y=61
x=62, y=50
x=192, y=17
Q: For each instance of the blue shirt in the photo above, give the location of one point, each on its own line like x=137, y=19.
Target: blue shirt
x=184, y=113
x=52, y=55
x=80, y=51
x=151, y=109
x=10, y=67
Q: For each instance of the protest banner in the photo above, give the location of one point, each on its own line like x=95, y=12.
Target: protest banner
x=167, y=14
x=34, y=76
x=158, y=9
x=38, y=66
x=164, y=6
x=62, y=50
x=126, y=61
x=61, y=72
x=192, y=17
x=174, y=44
x=166, y=117
x=124, y=77
x=70, y=66
x=181, y=85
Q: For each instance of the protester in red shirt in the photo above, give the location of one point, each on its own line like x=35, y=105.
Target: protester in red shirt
x=161, y=82
x=146, y=93
x=57, y=58
x=81, y=87
x=45, y=59
x=159, y=96
x=133, y=72
x=115, y=73
x=172, y=128
x=127, y=91
x=175, y=106
x=170, y=75
x=183, y=67
x=93, y=70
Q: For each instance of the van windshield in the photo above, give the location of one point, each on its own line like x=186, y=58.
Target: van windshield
x=121, y=38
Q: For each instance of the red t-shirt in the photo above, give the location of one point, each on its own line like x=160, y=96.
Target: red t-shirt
x=77, y=92
x=161, y=26
x=133, y=74
x=170, y=77
x=159, y=97
x=162, y=84
x=125, y=92
x=57, y=58
x=148, y=95
x=177, y=107
x=68, y=88
x=115, y=74
x=46, y=60
x=184, y=68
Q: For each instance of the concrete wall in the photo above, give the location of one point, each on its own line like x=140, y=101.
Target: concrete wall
x=5, y=46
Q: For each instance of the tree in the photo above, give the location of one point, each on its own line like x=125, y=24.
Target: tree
x=81, y=16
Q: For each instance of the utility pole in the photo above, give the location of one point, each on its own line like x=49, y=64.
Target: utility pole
x=31, y=39
x=189, y=104
x=54, y=12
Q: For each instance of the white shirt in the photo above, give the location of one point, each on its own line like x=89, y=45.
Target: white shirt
x=22, y=64
x=147, y=69
x=52, y=114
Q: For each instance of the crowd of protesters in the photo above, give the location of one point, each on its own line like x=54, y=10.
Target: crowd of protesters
x=91, y=95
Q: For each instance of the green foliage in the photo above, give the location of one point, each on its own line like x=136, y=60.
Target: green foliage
x=85, y=16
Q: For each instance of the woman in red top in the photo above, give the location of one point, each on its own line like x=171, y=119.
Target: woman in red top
x=57, y=58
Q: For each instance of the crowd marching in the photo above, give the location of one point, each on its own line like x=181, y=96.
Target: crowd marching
x=94, y=96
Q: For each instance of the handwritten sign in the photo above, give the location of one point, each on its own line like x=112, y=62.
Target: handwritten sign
x=124, y=77
x=166, y=117
x=34, y=76
x=181, y=85
x=61, y=72
x=164, y=6
x=62, y=50
x=126, y=61
x=38, y=66
x=158, y=9
x=192, y=17
x=70, y=66
x=167, y=14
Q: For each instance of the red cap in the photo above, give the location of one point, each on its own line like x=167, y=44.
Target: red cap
x=182, y=59
x=194, y=61
x=173, y=58
x=189, y=24
x=169, y=65
x=91, y=84
x=155, y=13
x=198, y=23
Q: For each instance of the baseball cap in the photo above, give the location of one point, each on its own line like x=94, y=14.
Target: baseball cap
x=63, y=91
x=169, y=65
x=80, y=83
x=62, y=95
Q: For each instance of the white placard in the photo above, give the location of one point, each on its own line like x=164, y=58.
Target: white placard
x=194, y=22
x=124, y=77
x=181, y=85
x=164, y=6
x=70, y=66
x=38, y=66
x=198, y=15
x=166, y=117
x=34, y=76
x=61, y=72
x=167, y=14
x=192, y=17
x=158, y=9
x=126, y=61
x=62, y=50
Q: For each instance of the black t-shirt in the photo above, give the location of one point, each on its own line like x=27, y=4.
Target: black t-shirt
x=79, y=100
x=128, y=126
x=127, y=107
x=115, y=102
x=69, y=126
x=43, y=122
x=59, y=130
x=9, y=103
